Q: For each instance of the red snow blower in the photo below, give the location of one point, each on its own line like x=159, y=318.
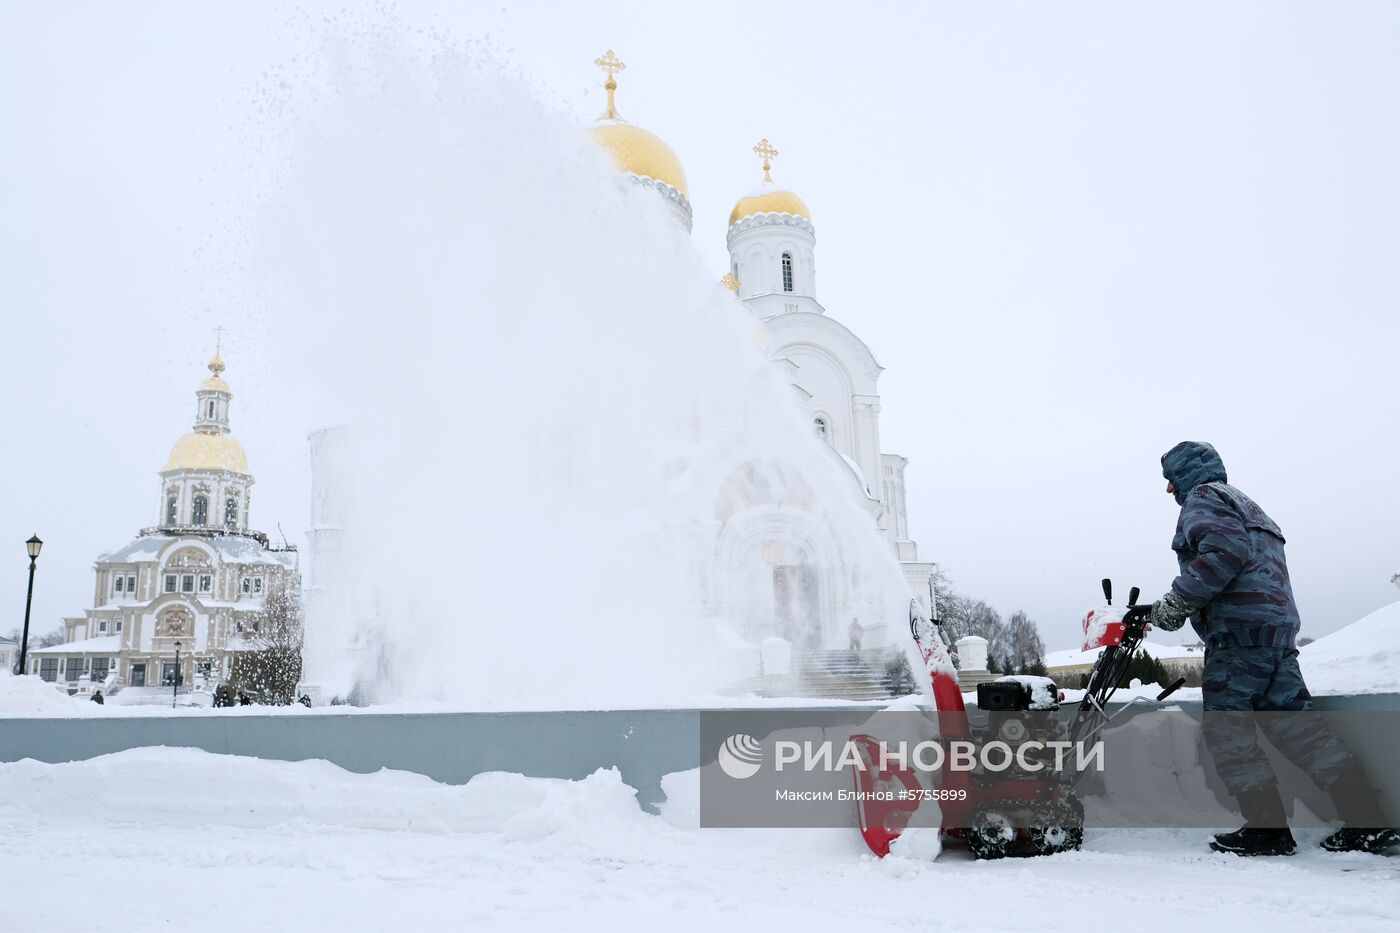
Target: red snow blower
x=1014, y=811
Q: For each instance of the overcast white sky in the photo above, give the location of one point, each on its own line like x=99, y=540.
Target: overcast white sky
x=1073, y=233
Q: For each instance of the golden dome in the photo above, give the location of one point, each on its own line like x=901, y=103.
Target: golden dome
x=199, y=451
x=640, y=152
x=770, y=200
x=633, y=149
x=215, y=382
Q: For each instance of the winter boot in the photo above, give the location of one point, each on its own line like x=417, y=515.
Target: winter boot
x=1354, y=839
x=1265, y=830
x=1364, y=822
x=1249, y=841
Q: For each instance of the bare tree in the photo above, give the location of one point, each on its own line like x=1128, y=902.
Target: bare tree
x=269, y=668
x=1023, y=651
x=961, y=616
x=56, y=636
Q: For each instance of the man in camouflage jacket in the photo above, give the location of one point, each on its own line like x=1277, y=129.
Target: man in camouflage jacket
x=1234, y=587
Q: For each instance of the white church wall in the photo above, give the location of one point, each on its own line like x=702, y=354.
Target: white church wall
x=828, y=386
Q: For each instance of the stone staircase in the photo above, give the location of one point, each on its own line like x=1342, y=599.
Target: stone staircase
x=837, y=674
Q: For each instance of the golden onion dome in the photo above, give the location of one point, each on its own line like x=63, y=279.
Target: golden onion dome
x=770, y=200
x=640, y=152
x=633, y=149
x=200, y=451
x=215, y=384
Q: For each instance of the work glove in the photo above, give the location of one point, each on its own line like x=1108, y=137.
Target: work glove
x=1169, y=613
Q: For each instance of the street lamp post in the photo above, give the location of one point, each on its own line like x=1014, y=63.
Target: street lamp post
x=175, y=680
x=33, y=545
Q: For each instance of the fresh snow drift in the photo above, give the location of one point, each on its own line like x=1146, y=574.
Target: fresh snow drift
x=1363, y=657
x=250, y=844
x=30, y=696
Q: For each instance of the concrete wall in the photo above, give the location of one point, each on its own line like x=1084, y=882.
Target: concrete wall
x=643, y=745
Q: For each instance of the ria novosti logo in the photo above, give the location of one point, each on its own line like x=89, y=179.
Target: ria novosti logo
x=740, y=756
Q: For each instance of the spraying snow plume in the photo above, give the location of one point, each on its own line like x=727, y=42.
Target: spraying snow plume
x=538, y=379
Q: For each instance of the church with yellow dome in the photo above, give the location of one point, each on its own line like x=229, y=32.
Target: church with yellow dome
x=179, y=601
x=768, y=566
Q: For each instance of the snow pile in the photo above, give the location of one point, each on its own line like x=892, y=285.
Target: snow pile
x=28, y=696
x=918, y=843
x=1363, y=657
x=279, y=846
x=149, y=785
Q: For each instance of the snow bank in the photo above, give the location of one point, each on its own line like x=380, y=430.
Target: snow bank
x=1363, y=657
x=153, y=786
x=29, y=696
x=307, y=846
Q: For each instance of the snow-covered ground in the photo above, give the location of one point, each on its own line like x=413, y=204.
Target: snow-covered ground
x=181, y=839
x=1363, y=657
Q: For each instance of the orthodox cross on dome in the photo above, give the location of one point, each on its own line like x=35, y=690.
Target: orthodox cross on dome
x=765, y=151
x=216, y=365
x=611, y=64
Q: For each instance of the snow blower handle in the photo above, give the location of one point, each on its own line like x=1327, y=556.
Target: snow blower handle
x=1177, y=685
x=1135, y=620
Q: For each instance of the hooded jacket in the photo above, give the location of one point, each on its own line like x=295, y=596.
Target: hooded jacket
x=1233, y=571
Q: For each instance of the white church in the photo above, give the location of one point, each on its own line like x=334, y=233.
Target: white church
x=182, y=594
x=763, y=562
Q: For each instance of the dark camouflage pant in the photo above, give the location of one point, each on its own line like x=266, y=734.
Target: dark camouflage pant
x=1241, y=682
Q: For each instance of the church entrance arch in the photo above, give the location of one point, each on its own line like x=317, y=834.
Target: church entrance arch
x=780, y=574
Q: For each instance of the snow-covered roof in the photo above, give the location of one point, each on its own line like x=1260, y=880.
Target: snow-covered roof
x=8, y=641
x=146, y=547
x=242, y=550
x=103, y=644
x=236, y=549
x=1072, y=658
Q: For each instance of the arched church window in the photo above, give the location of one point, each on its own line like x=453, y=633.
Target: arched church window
x=787, y=272
x=231, y=512
x=201, y=510
x=170, y=506
x=211, y=409
x=821, y=427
